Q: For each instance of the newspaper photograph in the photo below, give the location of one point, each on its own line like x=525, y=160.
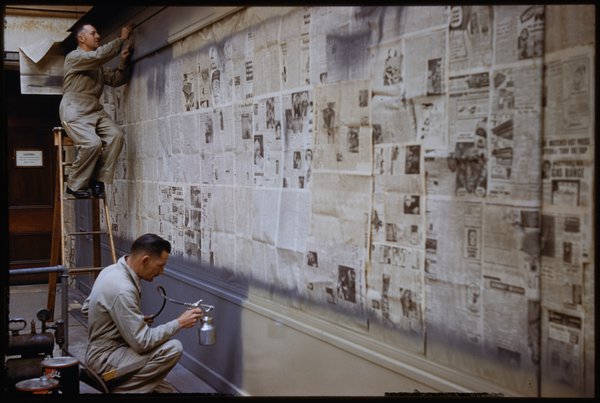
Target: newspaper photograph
x=343, y=133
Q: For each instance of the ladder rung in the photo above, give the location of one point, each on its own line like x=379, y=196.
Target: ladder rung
x=84, y=198
x=82, y=270
x=67, y=164
x=87, y=233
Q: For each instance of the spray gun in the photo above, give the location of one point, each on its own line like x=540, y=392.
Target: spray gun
x=207, y=332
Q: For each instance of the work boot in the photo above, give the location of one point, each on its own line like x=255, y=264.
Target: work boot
x=97, y=188
x=79, y=194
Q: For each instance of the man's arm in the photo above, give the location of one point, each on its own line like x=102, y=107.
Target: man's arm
x=120, y=75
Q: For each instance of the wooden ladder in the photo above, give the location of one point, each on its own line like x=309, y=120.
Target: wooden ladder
x=60, y=236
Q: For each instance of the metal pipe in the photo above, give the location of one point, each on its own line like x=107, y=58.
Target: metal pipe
x=64, y=280
x=38, y=270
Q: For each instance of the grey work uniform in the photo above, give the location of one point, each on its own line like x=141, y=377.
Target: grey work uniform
x=119, y=336
x=83, y=117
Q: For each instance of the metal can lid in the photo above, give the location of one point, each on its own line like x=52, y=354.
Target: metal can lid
x=60, y=362
x=36, y=384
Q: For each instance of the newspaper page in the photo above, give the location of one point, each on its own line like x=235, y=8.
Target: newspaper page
x=343, y=133
x=266, y=63
x=567, y=223
x=519, y=32
x=426, y=66
x=295, y=45
x=453, y=286
x=268, y=141
x=297, y=164
x=569, y=25
x=393, y=118
x=294, y=216
x=204, y=93
x=339, y=229
x=240, y=48
x=515, y=127
x=394, y=279
x=563, y=355
x=189, y=83
x=431, y=122
x=244, y=144
x=468, y=109
x=470, y=37
x=410, y=19
x=331, y=54
x=385, y=67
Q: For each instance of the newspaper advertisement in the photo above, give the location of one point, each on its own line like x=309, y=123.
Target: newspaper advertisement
x=567, y=173
x=297, y=140
x=515, y=124
x=520, y=32
x=425, y=69
x=470, y=37
x=564, y=251
x=468, y=108
x=343, y=133
x=563, y=358
x=569, y=83
x=295, y=45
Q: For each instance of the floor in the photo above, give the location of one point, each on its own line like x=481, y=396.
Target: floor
x=27, y=300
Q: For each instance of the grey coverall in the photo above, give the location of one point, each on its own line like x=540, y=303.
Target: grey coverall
x=83, y=117
x=119, y=336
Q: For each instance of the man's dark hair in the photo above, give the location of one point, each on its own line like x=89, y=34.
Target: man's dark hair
x=152, y=244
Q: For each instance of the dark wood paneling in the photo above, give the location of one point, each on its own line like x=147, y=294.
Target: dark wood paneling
x=30, y=120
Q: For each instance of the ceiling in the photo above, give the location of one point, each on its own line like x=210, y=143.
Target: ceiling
x=47, y=10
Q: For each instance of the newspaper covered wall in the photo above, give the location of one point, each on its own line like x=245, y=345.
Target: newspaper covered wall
x=423, y=176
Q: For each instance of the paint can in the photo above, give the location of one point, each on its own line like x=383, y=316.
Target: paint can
x=38, y=386
x=66, y=371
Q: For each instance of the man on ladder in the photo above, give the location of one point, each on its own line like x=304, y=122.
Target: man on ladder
x=97, y=138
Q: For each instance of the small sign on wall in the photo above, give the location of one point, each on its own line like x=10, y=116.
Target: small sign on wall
x=29, y=158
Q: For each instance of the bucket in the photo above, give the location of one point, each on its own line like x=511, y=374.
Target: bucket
x=66, y=371
x=37, y=386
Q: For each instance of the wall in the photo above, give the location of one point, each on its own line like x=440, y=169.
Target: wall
x=359, y=191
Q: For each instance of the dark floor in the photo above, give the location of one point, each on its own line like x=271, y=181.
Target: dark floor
x=27, y=300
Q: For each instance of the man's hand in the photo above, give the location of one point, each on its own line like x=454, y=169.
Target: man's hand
x=190, y=317
x=126, y=32
x=127, y=51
